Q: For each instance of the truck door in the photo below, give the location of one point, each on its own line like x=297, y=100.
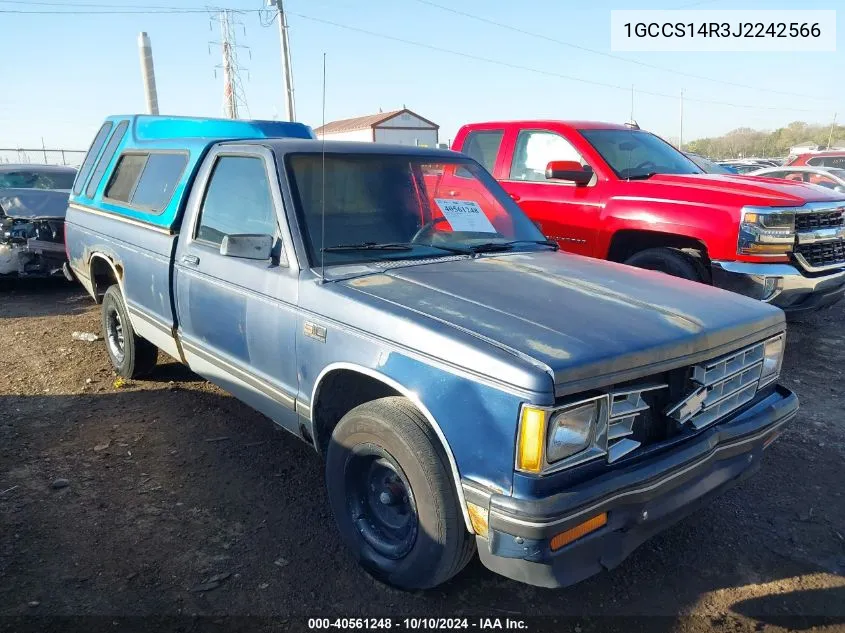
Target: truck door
x=237, y=315
x=566, y=213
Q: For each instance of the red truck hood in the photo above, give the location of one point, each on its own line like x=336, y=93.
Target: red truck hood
x=730, y=190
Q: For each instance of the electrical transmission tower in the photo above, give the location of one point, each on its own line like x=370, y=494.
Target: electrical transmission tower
x=234, y=99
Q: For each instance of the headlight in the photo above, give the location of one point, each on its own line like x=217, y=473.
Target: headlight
x=547, y=436
x=772, y=359
x=571, y=431
x=766, y=232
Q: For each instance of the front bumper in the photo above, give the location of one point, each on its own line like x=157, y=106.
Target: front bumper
x=640, y=501
x=782, y=285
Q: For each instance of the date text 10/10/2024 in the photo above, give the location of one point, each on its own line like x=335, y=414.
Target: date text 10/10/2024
x=418, y=624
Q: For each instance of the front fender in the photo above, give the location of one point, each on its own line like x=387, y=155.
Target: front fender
x=475, y=422
x=713, y=225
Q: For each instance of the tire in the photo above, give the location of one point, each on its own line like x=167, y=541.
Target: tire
x=392, y=436
x=671, y=261
x=130, y=355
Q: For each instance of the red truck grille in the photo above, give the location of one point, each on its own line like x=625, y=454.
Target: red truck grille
x=815, y=221
x=822, y=254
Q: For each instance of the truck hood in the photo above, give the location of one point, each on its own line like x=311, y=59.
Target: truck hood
x=733, y=189
x=589, y=322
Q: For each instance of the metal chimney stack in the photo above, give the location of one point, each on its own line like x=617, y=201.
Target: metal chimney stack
x=147, y=73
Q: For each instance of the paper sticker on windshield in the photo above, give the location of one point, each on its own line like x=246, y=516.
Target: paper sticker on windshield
x=465, y=216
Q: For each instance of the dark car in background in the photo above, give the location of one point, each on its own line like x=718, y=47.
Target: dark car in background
x=708, y=166
x=33, y=202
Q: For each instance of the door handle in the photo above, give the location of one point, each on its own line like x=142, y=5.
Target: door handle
x=190, y=260
x=514, y=197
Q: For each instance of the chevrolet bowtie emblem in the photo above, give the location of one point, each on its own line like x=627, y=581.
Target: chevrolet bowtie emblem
x=690, y=406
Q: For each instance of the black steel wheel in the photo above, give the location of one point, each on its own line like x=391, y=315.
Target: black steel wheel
x=381, y=502
x=393, y=496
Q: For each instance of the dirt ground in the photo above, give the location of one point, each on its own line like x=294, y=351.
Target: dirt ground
x=178, y=500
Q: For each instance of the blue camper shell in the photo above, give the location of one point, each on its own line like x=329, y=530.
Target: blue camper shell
x=187, y=136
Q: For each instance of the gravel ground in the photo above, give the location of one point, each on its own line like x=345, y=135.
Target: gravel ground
x=167, y=497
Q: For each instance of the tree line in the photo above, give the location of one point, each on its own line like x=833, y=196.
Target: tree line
x=745, y=142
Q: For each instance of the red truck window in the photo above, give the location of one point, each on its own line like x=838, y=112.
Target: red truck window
x=483, y=146
x=537, y=148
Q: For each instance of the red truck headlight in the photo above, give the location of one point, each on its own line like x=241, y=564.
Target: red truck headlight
x=765, y=232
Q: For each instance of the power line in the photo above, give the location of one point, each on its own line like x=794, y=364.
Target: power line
x=90, y=5
x=92, y=8
x=539, y=71
x=106, y=12
x=611, y=55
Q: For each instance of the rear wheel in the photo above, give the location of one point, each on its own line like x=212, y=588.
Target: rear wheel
x=671, y=261
x=393, y=497
x=130, y=355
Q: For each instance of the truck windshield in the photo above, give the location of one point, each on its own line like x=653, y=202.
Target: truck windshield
x=371, y=207
x=634, y=154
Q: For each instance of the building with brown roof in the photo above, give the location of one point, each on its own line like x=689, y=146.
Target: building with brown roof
x=401, y=127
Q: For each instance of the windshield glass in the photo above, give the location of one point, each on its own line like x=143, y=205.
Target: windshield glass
x=36, y=179
x=387, y=207
x=638, y=154
x=708, y=166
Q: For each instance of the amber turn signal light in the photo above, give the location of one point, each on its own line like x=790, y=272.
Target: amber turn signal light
x=532, y=438
x=582, y=529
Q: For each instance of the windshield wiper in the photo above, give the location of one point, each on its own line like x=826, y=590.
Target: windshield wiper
x=492, y=247
x=644, y=176
x=393, y=246
x=368, y=246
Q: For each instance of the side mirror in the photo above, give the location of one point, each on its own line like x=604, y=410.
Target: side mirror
x=570, y=170
x=247, y=246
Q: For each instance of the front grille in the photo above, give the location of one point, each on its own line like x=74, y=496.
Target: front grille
x=821, y=220
x=820, y=254
x=696, y=397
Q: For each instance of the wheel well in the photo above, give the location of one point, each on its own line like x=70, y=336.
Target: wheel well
x=103, y=275
x=627, y=242
x=340, y=391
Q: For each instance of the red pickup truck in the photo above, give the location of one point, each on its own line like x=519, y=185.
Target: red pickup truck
x=620, y=193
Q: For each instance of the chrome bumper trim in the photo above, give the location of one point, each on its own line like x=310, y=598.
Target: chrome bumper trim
x=781, y=285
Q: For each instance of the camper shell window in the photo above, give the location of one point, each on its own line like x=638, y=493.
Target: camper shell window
x=146, y=180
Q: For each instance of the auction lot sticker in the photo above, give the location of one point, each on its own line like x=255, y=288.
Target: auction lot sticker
x=723, y=31
x=465, y=216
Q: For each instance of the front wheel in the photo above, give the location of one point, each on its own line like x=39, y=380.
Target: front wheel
x=393, y=498
x=671, y=261
x=130, y=355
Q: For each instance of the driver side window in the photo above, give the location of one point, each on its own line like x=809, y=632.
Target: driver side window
x=537, y=148
x=238, y=200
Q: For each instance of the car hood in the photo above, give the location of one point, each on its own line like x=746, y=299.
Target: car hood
x=733, y=189
x=33, y=203
x=588, y=322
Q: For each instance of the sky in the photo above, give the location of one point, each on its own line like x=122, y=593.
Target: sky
x=62, y=74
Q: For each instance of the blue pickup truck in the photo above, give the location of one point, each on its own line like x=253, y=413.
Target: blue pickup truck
x=469, y=387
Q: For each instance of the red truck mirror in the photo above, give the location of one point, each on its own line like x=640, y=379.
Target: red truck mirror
x=568, y=170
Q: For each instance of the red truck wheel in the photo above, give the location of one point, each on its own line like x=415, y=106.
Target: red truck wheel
x=671, y=261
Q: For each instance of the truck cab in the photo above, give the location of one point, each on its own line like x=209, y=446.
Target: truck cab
x=620, y=193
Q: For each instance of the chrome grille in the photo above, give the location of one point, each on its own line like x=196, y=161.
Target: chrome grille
x=819, y=254
x=625, y=407
x=721, y=386
x=821, y=220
